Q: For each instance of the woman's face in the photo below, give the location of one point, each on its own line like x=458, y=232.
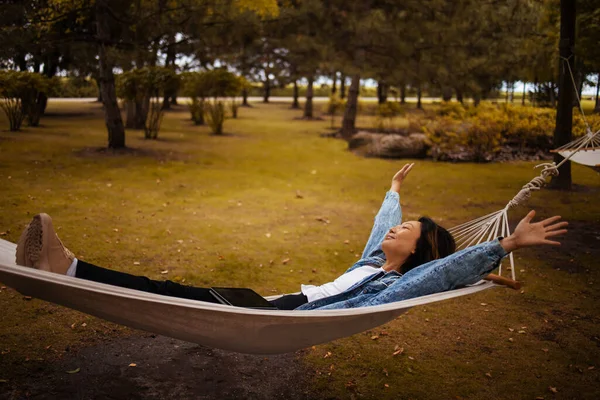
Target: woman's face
x=401, y=241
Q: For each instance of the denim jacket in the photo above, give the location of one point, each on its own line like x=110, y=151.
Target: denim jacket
x=461, y=268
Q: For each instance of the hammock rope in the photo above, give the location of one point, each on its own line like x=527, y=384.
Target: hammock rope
x=496, y=223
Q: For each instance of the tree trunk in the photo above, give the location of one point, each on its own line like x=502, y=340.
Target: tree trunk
x=245, y=97
x=512, y=92
x=382, y=90
x=446, y=93
x=419, y=95
x=296, y=104
x=597, y=106
x=476, y=99
x=334, y=85
x=267, y=88
x=112, y=114
x=343, y=86
x=506, y=93
x=130, y=114
x=349, y=121
x=459, y=96
x=403, y=93
x=564, y=111
x=308, y=107
x=524, y=93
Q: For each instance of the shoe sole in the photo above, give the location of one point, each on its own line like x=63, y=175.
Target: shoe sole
x=35, y=240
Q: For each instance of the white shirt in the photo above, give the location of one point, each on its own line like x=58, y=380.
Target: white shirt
x=339, y=285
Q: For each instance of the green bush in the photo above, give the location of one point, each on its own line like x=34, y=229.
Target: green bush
x=21, y=97
x=234, y=106
x=197, y=109
x=216, y=83
x=144, y=89
x=386, y=113
x=215, y=116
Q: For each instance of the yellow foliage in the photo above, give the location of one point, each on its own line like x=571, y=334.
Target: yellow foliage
x=262, y=8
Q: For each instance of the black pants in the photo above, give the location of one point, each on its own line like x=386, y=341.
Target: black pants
x=167, y=288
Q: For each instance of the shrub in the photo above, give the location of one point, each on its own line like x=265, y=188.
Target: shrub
x=216, y=83
x=215, y=116
x=334, y=105
x=233, y=106
x=197, y=109
x=144, y=89
x=386, y=113
x=454, y=110
x=21, y=93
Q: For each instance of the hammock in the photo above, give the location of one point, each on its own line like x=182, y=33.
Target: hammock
x=215, y=325
x=265, y=331
x=584, y=151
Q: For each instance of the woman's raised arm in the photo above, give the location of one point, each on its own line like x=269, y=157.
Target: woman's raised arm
x=389, y=215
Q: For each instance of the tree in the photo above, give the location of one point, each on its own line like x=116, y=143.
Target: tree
x=564, y=111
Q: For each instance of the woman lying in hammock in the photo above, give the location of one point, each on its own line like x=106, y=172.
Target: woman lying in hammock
x=400, y=261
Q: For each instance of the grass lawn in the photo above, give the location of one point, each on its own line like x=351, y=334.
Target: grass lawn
x=270, y=205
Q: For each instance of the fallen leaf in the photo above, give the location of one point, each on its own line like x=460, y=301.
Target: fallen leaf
x=591, y=368
x=374, y=337
x=116, y=229
x=136, y=263
x=109, y=184
x=298, y=195
x=511, y=339
x=545, y=350
x=133, y=365
x=26, y=297
x=383, y=333
x=285, y=261
x=3, y=380
x=411, y=358
x=521, y=332
x=552, y=389
x=328, y=354
x=399, y=351
x=346, y=241
x=3, y=233
x=386, y=385
x=489, y=375
x=484, y=304
x=73, y=325
x=84, y=324
x=385, y=371
x=73, y=371
x=268, y=235
x=166, y=271
x=511, y=329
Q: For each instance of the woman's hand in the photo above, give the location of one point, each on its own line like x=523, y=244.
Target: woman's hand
x=399, y=177
x=529, y=234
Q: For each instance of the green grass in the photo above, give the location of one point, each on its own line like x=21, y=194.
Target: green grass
x=224, y=211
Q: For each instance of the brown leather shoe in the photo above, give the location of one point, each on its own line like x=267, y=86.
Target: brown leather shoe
x=39, y=247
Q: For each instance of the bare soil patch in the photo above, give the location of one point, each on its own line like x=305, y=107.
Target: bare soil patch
x=164, y=369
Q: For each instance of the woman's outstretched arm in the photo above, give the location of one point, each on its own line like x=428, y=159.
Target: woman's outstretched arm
x=389, y=215
x=471, y=264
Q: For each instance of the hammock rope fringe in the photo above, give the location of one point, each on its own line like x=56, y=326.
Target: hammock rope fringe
x=270, y=331
x=496, y=224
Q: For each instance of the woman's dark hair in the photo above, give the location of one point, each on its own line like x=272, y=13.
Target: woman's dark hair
x=435, y=242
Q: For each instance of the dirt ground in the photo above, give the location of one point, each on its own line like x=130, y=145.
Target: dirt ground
x=164, y=369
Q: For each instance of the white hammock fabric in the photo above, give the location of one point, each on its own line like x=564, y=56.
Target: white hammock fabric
x=215, y=325
x=584, y=151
